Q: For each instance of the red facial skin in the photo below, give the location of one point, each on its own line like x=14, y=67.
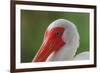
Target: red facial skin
x=52, y=42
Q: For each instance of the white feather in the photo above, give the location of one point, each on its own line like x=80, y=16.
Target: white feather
x=82, y=56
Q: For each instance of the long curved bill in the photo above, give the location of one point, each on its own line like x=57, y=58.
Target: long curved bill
x=47, y=48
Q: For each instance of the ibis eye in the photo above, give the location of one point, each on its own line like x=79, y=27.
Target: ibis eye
x=59, y=33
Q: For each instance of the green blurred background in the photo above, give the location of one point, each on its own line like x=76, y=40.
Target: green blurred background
x=34, y=24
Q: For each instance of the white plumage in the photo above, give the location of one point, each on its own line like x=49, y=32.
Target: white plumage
x=82, y=56
x=71, y=37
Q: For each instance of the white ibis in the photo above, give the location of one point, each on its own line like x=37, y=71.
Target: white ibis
x=60, y=43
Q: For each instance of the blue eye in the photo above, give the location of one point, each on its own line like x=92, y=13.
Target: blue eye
x=59, y=33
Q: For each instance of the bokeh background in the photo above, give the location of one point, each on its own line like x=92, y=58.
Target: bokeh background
x=34, y=24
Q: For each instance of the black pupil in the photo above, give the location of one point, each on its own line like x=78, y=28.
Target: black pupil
x=59, y=33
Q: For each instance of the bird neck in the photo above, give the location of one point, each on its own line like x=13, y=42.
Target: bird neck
x=65, y=53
